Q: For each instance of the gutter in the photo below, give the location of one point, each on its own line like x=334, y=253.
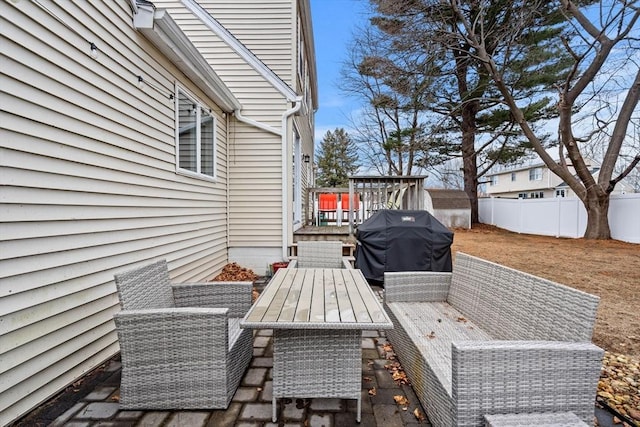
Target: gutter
x=164, y=33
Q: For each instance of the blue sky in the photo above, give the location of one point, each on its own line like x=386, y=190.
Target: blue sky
x=333, y=23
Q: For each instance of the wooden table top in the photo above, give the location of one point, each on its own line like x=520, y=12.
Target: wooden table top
x=317, y=298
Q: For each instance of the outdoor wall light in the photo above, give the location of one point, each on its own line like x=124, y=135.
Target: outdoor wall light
x=140, y=82
x=306, y=158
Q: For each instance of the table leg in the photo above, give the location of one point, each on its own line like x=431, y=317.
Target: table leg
x=274, y=408
x=319, y=363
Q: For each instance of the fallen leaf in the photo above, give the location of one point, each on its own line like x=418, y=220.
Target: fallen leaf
x=432, y=335
x=368, y=379
x=401, y=400
x=419, y=415
x=372, y=392
x=462, y=319
x=233, y=272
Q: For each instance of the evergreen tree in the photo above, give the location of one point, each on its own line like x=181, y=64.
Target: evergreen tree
x=476, y=126
x=336, y=159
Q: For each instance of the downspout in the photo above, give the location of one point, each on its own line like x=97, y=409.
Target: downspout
x=228, y=192
x=238, y=113
x=297, y=104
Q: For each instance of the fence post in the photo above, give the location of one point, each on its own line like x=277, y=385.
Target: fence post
x=493, y=222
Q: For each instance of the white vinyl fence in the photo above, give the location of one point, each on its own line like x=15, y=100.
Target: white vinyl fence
x=561, y=217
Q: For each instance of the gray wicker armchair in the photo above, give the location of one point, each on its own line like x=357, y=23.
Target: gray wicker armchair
x=320, y=254
x=175, y=357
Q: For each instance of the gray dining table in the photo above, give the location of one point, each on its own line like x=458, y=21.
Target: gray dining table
x=317, y=316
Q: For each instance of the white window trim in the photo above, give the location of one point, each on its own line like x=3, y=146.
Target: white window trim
x=199, y=106
x=533, y=176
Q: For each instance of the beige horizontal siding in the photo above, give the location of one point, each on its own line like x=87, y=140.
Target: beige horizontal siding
x=89, y=188
x=260, y=100
x=266, y=28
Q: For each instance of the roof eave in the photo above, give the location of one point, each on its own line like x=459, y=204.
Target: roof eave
x=161, y=30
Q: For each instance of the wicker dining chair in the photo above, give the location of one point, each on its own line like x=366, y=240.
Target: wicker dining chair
x=320, y=254
x=181, y=344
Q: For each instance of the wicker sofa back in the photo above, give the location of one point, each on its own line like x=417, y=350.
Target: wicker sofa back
x=513, y=305
x=487, y=339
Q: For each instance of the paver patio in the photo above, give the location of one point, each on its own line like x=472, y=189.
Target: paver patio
x=251, y=405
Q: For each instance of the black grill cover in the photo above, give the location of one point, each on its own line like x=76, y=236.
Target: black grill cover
x=402, y=240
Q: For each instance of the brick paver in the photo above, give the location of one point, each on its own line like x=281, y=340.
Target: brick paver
x=251, y=405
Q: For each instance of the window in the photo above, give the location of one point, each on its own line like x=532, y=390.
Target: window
x=535, y=174
x=522, y=195
x=513, y=176
x=560, y=193
x=536, y=195
x=493, y=180
x=195, y=139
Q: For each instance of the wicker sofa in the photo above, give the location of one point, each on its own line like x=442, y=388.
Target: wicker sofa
x=488, y=339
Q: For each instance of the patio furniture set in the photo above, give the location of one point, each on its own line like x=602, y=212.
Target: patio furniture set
x=487, y=339
x=482, y=345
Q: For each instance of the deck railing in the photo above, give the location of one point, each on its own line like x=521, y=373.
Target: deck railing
x=364, y=196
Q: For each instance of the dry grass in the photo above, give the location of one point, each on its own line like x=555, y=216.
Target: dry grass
x=609, y=269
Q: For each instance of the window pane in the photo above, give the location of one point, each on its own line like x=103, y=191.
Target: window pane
x=186, y=132
x=206, y=143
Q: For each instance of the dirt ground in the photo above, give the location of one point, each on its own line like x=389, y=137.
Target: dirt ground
x=609, y=269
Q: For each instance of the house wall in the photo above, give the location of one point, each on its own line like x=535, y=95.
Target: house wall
x=506, y=187
x=303, y=66
x=269, y=29
x=89, y=188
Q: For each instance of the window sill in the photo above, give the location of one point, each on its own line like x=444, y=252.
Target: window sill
x=190, y=174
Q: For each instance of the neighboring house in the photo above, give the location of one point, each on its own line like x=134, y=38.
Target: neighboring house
x=133, y=131
x=535, y=181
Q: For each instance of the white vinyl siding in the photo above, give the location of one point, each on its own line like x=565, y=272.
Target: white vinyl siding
x=89, y=189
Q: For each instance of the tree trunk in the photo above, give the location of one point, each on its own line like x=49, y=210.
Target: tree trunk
x=597, y=217
x=469, y=156
x=470, y=169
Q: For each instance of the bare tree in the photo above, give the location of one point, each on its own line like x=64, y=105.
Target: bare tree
x=609, y=37
x=393, y=129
